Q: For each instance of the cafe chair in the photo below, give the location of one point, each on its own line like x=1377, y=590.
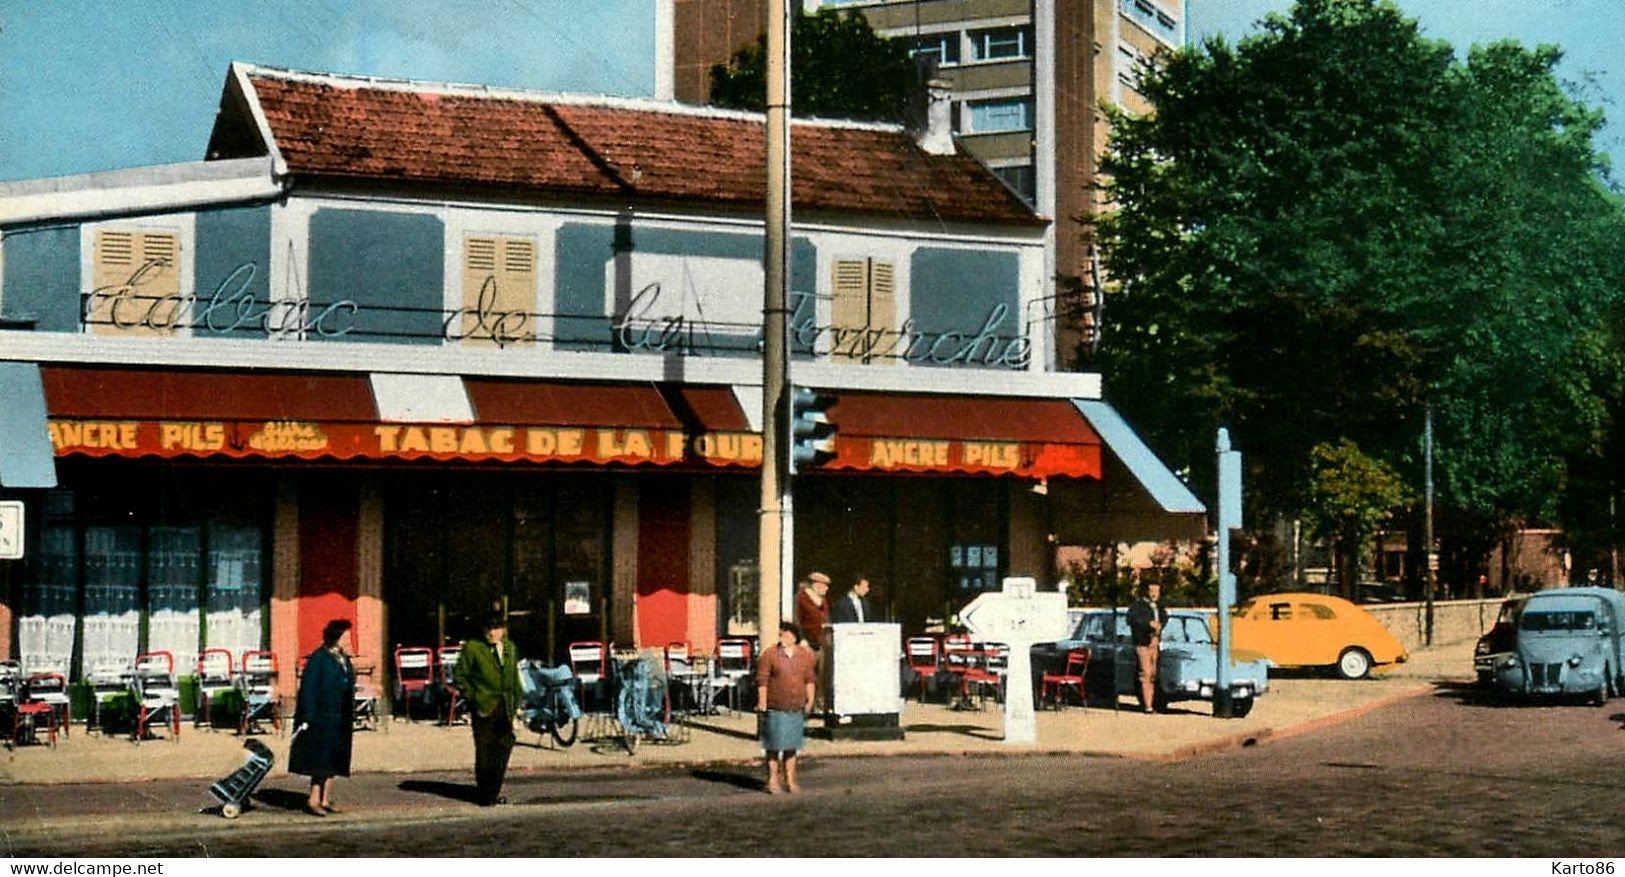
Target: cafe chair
x=924, y=660
x=733, y=665
x=446, y=660
x=414, y=676
x=258, y=686
x=1051, y=684
x=215, y=673
x=157, y=697
x=589, y=662
x=51, y=689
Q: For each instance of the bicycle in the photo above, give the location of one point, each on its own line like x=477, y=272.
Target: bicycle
x=549, y=702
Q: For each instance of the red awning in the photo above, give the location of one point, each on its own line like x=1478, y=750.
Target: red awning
x=1036, y=438
x=115, y=412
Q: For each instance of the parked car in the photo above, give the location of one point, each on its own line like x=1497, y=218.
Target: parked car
x=1186, y=670
x=1569, y=641
x=1499, y=641
x=1314, y=630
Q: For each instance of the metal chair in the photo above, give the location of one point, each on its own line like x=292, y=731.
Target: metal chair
x=414, y=676
x=365, y=713
x=923, y=659
x=258, y=685
x=589, y=661
x=446, y=662
x=1052, y=684
x=156, y=694
x=51, y=689
x=733, y=664
x=108, y=680
x=215, y=673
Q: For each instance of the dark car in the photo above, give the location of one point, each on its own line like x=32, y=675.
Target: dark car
x=1187, y=667
x=1499, y=641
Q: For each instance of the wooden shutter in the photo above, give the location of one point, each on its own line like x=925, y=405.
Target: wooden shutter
x=865, y=304
x=135, y=279
x=503, y=271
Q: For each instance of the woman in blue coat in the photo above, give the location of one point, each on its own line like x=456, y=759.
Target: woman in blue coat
x=325, y=719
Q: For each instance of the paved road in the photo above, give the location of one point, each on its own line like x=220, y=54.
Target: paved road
x=1445, y=774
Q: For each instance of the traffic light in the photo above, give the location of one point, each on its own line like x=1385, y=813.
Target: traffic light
x=812, y=435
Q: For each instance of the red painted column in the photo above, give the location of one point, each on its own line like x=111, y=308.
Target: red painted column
x=329, y=521
x=663, y=543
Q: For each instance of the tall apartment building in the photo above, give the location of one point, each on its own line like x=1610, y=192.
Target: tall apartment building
x=1028, y=78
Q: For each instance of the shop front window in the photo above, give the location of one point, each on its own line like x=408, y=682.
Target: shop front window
x=974, y=566
x=112, y=626
x=48, y=604
x=233, y=588
x=137, y=579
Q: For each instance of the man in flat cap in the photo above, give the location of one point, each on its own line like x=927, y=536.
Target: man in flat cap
x=812, y=616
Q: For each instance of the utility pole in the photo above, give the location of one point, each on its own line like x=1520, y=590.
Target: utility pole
x=1229, y=519
x=772, y=554
x=1427, y=523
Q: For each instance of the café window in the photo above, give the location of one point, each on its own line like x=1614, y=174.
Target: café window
x=863, y=316
x=499, y=290
x=163, y=568
x=974, y=566
x=135, y=283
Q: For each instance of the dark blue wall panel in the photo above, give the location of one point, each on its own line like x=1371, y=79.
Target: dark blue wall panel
x=392, y=265
x=232, y=273
x=953, y=296
x=42, y=277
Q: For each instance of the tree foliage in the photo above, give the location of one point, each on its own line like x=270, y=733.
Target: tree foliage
x=1337, y=222
x=1350, y=495
x=840, y=68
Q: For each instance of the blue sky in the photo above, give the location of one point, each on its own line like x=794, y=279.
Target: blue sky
x=89, y=85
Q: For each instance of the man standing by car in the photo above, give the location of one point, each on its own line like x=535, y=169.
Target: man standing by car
x=487, y=674
x=1145, y=620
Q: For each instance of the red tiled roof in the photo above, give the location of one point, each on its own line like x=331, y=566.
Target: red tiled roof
x=357, y=131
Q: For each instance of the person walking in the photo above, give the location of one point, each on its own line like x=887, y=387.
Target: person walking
x=324, y=719
x=487, y=674
x=812, y=616
x=855, y=607
x=786, y=681
x=1145, y=620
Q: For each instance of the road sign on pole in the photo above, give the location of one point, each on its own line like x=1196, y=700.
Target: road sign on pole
x=1018, y=616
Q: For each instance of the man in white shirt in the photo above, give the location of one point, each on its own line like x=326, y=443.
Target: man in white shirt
x=855, y=606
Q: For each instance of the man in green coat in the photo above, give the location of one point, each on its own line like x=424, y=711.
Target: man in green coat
x=487, y=674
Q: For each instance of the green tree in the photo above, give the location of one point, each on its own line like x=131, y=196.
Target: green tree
x=840, y=68
x=1350, y=495
x=1337, y=222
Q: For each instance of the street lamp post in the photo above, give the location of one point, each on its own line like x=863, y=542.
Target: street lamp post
x=773, y=590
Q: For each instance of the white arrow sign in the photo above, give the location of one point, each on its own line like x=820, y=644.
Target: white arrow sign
x=1018, y=616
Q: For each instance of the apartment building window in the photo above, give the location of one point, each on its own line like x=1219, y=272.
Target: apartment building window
x=1154, y=20
x=1021, y=178
x=993, y=116
x=863, y=316
x=499, y=290
x=135, y=283
x=1001, y=43
x=940, y=47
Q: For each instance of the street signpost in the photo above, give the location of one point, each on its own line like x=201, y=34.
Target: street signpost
x=11, y=530
x=1018, y=616
x=1229, y=519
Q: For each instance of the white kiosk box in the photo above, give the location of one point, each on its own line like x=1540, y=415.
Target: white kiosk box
x=866, y=693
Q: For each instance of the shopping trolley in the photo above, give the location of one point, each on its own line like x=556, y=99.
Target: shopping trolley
x=236, y=788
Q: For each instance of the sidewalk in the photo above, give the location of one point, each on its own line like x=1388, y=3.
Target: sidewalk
x=95, y=782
